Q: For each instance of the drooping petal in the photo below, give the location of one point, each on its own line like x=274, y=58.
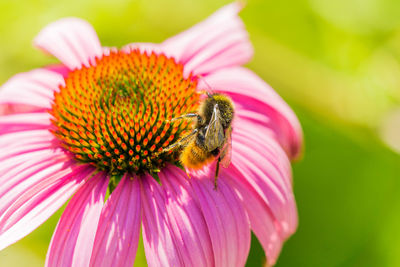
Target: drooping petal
x=38, y=202
x=260, y=172
x=257, y=101
x=227, y=221
x=33, y=89
x=262, y=166
x=218, y=42
x=117, y=235
x=263, y=222
x=174, y=230
x=73, y=239
x=73, y=41
x=246, y=132
x=188, y=226
x=159, y=244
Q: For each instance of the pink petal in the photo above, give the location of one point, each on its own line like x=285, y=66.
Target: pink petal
x=6, y=109
x=59, y=68
x=33, y=89
x=108, y=50
x=262, y=221
x=73, y=41
x=257, y=101
x=24, y=122
x=14, y=139
x=38, y=202
x=21, y=146
x=117, y=235
x=227, y=221
x=15, y=151
x=187, y=224
x=246, y=132
x=174, y=229
x=218, y=42
x=19, y=143
x=260, y=172
x=20, y=173
x=143, y=47
x=74, y=236
x=159, y=244
x=28, y=176
x=260, y=163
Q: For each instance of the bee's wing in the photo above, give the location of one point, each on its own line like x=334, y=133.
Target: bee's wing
x=214, y=136
x=226, y=152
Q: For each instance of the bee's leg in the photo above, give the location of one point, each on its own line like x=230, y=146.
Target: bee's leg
x=216, y=173
x=183, y=141
x=189, y=115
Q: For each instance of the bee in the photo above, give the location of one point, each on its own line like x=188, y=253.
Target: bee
x=211, y=134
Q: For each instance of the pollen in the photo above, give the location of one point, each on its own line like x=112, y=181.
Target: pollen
x=115, y=114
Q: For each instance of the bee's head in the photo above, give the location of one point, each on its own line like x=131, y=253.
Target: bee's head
x=226, y=108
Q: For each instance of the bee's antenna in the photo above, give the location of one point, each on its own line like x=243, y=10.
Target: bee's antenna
x=209, y=87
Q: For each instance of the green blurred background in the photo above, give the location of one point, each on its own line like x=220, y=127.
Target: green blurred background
x=337, y=63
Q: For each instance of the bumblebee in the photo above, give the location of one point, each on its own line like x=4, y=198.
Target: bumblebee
x=211, y=135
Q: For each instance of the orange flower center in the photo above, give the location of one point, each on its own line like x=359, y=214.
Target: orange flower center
x=114, y=114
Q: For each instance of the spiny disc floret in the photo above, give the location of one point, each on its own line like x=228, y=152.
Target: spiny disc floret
x=114, y=114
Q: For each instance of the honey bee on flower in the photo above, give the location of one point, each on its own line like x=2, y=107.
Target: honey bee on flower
x=211, y=136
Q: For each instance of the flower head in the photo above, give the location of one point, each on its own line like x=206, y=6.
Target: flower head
x=102, y=120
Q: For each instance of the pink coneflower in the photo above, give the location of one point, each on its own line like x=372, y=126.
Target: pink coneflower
x=97, y=122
